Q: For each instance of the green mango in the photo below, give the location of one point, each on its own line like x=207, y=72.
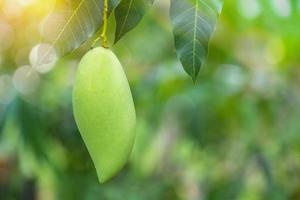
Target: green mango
x=104, y=111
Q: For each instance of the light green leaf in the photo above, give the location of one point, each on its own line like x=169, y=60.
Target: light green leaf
x=69, y=25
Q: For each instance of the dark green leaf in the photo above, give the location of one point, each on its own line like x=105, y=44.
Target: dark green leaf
x=128, y=14
x=193, y=25
x=112, y=5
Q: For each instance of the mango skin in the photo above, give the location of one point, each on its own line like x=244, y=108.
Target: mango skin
x=104, y=111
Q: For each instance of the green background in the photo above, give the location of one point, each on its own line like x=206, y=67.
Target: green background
x=235, y=134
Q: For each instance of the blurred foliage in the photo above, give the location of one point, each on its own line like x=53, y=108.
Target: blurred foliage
x=232, y=135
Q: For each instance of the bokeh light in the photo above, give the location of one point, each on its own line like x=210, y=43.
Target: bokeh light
x=6, y=89
x=282, y=7
x=43, y=57
x=6, y=35
x=249, y=8
x=26, y=79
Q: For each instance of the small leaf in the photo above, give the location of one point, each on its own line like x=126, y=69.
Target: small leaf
x=193, y=23
x=128, y=14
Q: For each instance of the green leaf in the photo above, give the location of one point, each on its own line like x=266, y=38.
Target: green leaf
x=72, y=23
x=193, y=24
x=69, y=25
x=128, y=14
x=112, y=5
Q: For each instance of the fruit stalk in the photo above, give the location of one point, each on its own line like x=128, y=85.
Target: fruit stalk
x=103, y=35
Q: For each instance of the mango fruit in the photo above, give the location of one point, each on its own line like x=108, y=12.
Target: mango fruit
x=104, y=111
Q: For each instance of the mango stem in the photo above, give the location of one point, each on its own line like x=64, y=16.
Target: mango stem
x=104, y=30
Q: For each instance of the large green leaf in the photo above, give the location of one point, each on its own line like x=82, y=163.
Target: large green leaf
x=72, y=23
x=69, y=25
x=193, y=25
x=128, y=14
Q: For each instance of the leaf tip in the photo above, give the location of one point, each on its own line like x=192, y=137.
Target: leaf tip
x=194, y=78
